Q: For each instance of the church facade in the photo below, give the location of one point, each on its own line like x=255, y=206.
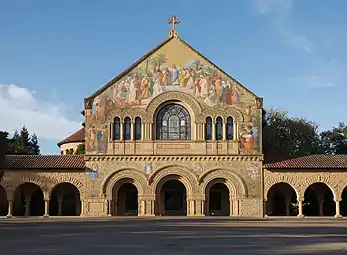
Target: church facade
x=171, y=135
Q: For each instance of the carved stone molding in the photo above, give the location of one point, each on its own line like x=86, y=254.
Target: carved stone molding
x=125, y=112
x=139, y=180
x=214, y=112
x=235, y=183
x=165, y=97
x=240, y=158
x=269, y=182
x=186, y=176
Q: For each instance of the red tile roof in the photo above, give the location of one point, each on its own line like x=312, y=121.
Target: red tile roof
x=78, y=136
x=319, y=161
x=44, y=162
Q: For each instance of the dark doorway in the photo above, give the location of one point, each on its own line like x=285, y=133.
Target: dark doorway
x=127, y=200
x=343, y=203
x=174, y=198
x=28, y=200
x=65, y=200
x=319, y=200
x=218, y=200
x=281, y=200
x=3, y=202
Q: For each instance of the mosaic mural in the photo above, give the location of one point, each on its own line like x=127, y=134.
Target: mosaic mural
x=173, y=69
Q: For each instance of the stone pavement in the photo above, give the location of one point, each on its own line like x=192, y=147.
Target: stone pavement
x=172, y=235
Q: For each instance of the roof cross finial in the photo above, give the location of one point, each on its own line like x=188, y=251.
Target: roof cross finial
x=173, y=20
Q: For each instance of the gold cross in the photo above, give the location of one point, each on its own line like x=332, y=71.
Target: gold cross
x=173, y=20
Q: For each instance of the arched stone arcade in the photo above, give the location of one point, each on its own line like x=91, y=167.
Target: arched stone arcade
x=65, y=200
x=319, y=200
x=281, y=200
x=28, y=200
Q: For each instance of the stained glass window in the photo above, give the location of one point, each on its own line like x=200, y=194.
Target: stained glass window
x=137, y=128
x=127, y=128
x=219, y=128
x=230, y=127
x=208, y=128
x=116, y=128
x=173, y=123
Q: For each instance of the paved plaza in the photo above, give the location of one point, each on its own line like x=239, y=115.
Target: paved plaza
x=182, y=235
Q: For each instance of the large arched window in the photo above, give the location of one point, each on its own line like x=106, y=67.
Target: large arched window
x=173, y=123
x=230, y=128
x=127, y=128
x=208, y=128
x=219, y=128
x=137, y=134
x=116, y=128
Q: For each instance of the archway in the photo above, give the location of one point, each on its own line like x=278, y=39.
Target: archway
x=172, y=198
x=65, y=200
x=124, y=198
x=281, y=200
x=28, y=200
x=217, y=199
x=343, y=203
x=319, y=200
x=3, y=202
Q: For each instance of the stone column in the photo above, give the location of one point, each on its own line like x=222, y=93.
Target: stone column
x=82, y=207
x=46, y=208
x=224, y=131
x=231, y=209
x=337, y=204
x=27, y=207
x=109, y=207
x=111, y=131
x=203, y=132
x=142, y=131
x=150, y=135
x=121, y=131
x=10, y=207
x=301, y=215
x=213, y=130
x=132, y=135
x=235, y=131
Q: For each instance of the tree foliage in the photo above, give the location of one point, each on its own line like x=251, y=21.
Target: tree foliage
x=286, y=137
x=334, y=141
x=81, y=149
x=21, y=143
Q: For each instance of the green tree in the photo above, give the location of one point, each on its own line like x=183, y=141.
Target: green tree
x=285, y=137
x=81, y=149
x=334, y=141
x=34, y=145
x=23, y=143
x=3, y=149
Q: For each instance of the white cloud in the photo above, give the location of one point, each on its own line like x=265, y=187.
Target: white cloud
x=315, y=81
x=278, y=11
x=20, y=106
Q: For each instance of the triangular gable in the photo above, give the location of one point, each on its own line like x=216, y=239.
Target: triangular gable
x=88, y=101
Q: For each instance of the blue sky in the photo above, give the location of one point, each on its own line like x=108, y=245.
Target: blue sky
x=55, y=53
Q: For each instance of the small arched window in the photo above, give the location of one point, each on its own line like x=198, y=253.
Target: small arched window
x=116, y=128
x=71, y=152
x=173, y=123
x=230, y=128
x=219, y=128
x=208, y=128
x=67, y=152
x=127, y=128
x=137, y=131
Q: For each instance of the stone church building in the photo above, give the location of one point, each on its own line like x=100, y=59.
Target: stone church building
x=172, y=135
